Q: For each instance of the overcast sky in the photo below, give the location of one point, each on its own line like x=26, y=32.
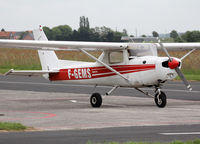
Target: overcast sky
x=143, y=15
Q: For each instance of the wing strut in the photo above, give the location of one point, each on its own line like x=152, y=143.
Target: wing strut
x=107, y=66
x=187, y=54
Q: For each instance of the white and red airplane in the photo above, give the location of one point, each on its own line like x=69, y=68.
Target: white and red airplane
x=133, y=65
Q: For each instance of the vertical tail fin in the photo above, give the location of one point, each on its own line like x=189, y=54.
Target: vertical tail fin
x=48, y=59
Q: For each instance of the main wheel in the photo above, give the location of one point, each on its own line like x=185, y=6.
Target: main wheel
x=96, y=100
x=161, y=100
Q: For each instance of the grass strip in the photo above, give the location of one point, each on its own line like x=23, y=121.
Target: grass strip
x=191, y=74
x=8, y=126
x=196, y=141
x=192, y=77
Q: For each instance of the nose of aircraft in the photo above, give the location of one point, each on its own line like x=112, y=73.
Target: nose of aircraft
x=174, y=63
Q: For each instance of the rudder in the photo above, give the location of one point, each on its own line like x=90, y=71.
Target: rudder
x=48, y=59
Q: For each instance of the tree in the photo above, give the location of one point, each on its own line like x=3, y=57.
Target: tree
x=84, y=33
x=178, y=39
x=62, y=32
x=87, y=24
x=125, y=33
x=84, y=29
x=118, y=36
x=174, y=34
x=155, y=34
x=75, y=36
x=2, y=30
x=191, y=36
x=143, y=35
x=110, y=36
x=48, y=33
x=94, y=36
x=84, y=22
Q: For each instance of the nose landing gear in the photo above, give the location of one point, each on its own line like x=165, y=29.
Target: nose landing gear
x=160, y=99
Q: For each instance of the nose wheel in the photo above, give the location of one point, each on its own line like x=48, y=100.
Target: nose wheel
x=160, y=99
x=96, y=100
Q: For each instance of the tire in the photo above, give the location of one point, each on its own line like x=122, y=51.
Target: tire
x=96, y=100
x=161, y=103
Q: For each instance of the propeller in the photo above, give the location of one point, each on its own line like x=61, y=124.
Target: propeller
x=174, y=64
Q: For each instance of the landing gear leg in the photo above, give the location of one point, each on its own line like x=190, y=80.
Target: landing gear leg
x=160, y=98
x=96, y=98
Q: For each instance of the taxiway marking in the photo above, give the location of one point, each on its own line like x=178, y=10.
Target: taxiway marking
x=73, y=101
x=43, y=115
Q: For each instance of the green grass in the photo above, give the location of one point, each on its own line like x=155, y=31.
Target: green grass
x=12, y=126
x=191, y=77
x=197, y=141
x=4, y=69
x=191, y=74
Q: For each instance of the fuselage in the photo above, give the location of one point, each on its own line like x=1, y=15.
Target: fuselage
x=140, y=71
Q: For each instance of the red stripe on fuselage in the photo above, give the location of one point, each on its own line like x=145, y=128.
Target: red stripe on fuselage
x=97, y=72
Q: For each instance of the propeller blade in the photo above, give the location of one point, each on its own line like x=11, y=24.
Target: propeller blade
x=181, y=75
x=165, y=50
x=183, y=78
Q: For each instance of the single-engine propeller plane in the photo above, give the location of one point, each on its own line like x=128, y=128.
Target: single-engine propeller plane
x=134, y=65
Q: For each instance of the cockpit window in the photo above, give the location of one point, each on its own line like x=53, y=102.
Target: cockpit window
x=115, y=57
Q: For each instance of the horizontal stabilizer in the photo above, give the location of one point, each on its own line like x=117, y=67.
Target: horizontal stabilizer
x=29, y=73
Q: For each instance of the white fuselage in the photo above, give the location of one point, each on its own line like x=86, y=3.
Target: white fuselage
x=140, y=71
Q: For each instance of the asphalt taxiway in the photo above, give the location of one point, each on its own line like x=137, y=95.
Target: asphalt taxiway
x=125, y=115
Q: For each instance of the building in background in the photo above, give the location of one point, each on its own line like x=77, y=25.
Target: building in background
x=27, y=35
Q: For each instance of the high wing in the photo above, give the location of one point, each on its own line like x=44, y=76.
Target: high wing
x=168, y=46
x=179, y=46
x=61, y=45
x=30, y=72
x=91, y=46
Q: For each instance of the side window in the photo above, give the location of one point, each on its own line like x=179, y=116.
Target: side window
x=131, y=52
x=115, y=57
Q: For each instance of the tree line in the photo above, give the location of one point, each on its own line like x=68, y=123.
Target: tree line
x=106, y=34
x=84, y=33
x=189, y=36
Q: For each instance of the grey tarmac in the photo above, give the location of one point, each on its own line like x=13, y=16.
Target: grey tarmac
x=62, y=112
